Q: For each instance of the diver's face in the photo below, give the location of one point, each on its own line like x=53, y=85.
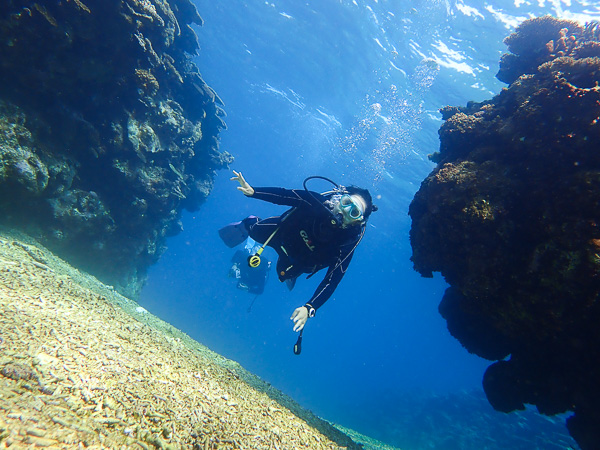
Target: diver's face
x=352, y=209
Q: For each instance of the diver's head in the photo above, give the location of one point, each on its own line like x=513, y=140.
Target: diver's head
x=355, y=205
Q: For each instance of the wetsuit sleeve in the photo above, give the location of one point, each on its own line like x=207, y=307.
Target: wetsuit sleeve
x=288, y=197
x=334, y=275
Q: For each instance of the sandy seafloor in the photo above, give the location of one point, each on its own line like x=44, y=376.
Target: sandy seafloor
x=84, y=367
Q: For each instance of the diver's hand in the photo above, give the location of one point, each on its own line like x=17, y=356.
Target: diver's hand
x=299, y=316
x=244, y=186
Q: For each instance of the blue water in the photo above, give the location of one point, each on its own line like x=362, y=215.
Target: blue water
x=349, y=90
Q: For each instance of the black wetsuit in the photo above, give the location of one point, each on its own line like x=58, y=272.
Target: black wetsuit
x=308, y=238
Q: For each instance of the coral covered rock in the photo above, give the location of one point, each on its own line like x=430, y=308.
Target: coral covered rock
x=511, y=218
x=107, y=130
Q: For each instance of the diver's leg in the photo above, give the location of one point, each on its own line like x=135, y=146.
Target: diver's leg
x=237, y=232
x=260, y=230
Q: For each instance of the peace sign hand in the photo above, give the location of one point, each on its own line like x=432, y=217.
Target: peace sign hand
x=244, y=186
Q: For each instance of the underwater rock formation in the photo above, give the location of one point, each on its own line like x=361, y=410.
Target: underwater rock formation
x=511, y=218
x=107, y=130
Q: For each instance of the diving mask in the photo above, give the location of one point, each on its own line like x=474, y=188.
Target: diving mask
x=350, y=208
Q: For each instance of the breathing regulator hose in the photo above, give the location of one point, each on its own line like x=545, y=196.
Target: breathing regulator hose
x=254, y=260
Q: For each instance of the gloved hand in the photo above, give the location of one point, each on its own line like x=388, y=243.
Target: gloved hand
x=244, y=186
x=299, y=316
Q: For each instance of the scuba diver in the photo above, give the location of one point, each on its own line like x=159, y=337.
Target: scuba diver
x=319, y=231
x=250, y=279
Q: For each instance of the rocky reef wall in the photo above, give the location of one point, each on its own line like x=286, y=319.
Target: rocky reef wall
x=107, y=130
x=511, y=218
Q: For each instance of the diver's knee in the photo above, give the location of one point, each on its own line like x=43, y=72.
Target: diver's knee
x=250, y=221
